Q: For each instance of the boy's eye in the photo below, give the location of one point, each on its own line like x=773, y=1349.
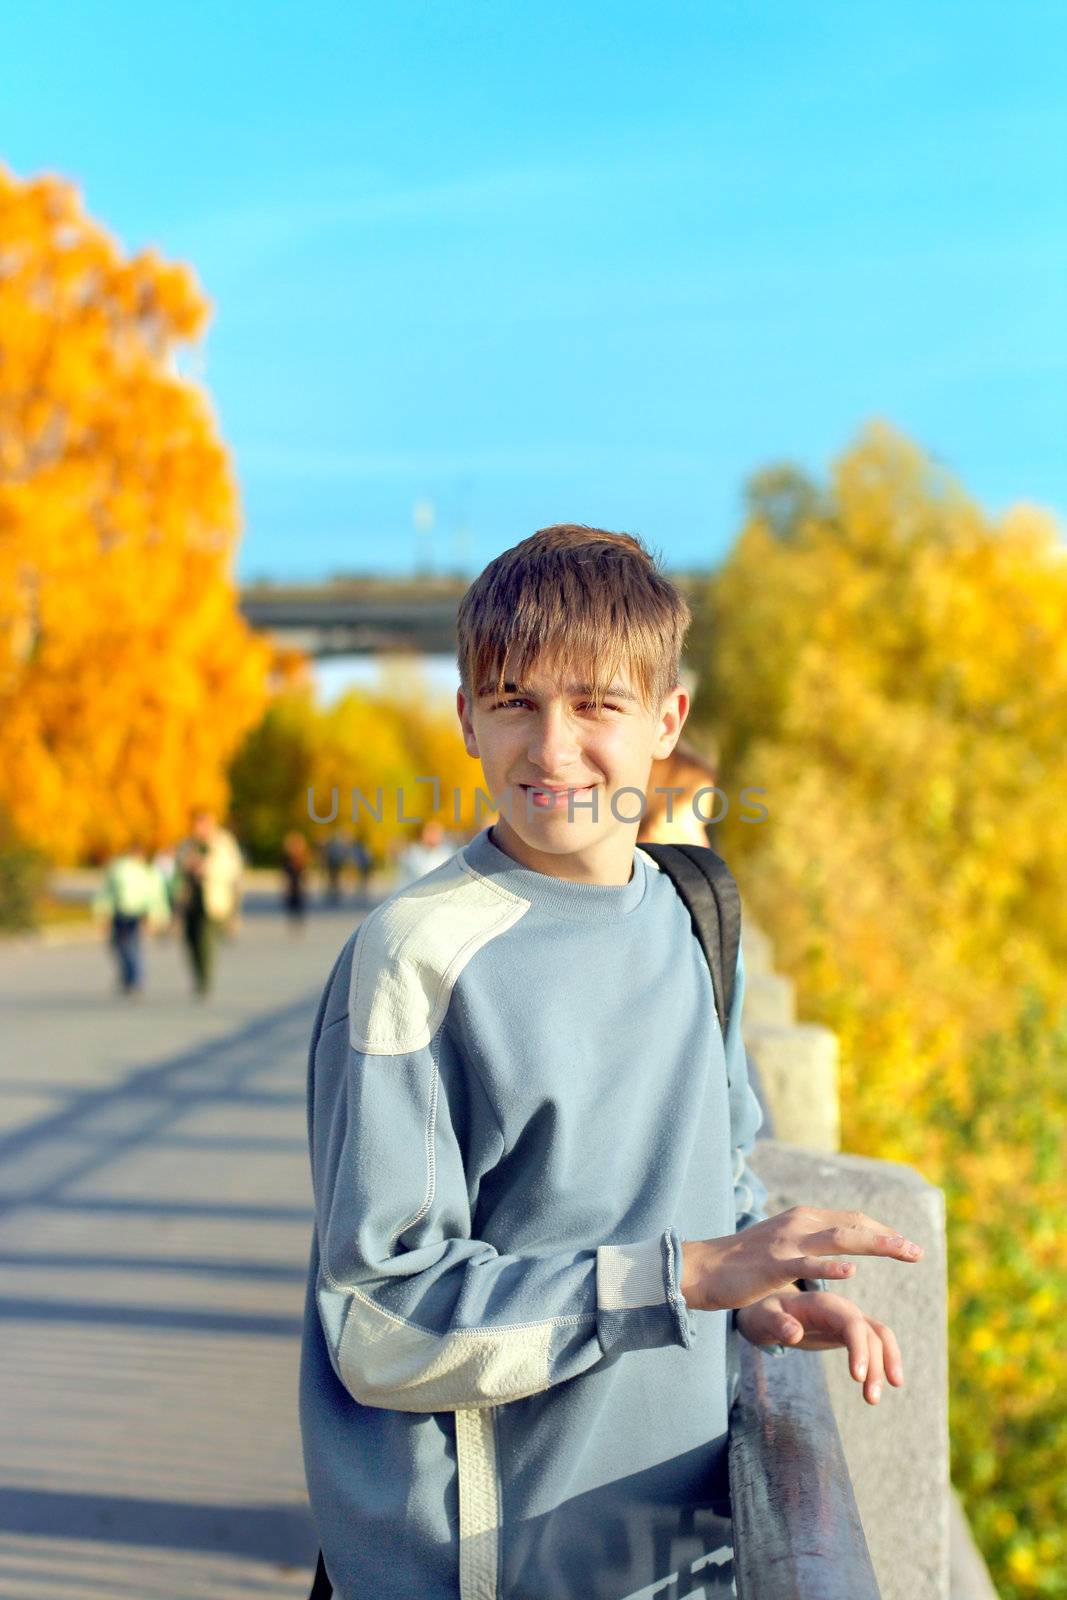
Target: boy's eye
x=586, y=705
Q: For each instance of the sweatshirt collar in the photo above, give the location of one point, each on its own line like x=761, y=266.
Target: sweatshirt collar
x=560, y=897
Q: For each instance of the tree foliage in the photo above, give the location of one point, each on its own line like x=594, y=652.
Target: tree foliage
x=127, y=676
x=368, y=755
x=890, y=668
x=270, y=775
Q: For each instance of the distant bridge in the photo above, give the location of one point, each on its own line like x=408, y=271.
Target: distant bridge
x=359, y=617
x=371, y=616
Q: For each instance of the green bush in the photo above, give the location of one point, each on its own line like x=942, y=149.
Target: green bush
x=22, y=878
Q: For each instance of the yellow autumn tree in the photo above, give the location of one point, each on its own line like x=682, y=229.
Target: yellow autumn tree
x=430, y=726
x=127, y=676
x=376, y=762
x=892, y=672
x=889, y=666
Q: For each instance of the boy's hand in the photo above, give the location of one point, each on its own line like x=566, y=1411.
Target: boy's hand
x=819, y=1320
x=768, y=1257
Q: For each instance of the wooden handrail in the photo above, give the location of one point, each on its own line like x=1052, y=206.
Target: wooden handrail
x=797, y=1533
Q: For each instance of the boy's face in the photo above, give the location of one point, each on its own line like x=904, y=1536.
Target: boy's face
x=569, y=784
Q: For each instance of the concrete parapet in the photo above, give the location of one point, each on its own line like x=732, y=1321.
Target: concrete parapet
x=769, y=1000
x=898, y=1450
x=758, y=951
x=798, y=1073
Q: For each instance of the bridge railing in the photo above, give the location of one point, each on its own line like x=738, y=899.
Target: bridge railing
x=896, y=1453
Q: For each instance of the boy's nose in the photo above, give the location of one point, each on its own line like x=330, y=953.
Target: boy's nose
x=553, y=744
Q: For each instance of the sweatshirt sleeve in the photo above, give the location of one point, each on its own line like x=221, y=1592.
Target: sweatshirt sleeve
x=746, y=1119
x=418, y=1314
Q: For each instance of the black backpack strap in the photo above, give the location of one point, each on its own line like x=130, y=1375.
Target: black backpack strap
x=706, y=884
x=322, y=1588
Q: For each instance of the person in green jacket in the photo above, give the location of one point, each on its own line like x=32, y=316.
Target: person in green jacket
x=134, y=892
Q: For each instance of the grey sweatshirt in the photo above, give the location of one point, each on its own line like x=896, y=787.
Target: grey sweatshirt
x=517, y=1108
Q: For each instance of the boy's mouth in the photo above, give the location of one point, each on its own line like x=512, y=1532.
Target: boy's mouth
x=550, y=798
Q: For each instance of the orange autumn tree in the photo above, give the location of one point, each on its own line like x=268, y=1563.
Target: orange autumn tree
x=127, y=676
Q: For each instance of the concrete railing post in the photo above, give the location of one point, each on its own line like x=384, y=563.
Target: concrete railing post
x=798, y=1075
x=796, y=1061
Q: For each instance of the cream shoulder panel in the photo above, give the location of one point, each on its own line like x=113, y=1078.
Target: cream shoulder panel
x=412, y=948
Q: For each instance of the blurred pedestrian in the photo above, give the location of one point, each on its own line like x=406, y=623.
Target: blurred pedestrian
x=335, y=853
x=208, y=869
x=363, y=861
x=296, y=853
x=431, y=849
x=134, y=892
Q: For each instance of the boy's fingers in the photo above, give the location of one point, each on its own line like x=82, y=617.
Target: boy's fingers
x=854, y=1333
x=894, y=1364
x=820, y=1267
x=857, y=1234
x=872, y=1390
x=873, y=1351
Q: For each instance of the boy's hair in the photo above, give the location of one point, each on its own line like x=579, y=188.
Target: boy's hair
x=580, y=603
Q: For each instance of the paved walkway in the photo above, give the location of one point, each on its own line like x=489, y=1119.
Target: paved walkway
x=155, y=1216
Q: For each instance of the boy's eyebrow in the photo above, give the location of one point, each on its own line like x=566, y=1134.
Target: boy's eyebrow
x=616, y=692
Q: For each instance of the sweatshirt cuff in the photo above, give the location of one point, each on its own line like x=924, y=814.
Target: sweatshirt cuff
x=639, y=1302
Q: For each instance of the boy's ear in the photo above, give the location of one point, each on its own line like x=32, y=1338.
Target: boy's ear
x=672, y=717
x=466, y=725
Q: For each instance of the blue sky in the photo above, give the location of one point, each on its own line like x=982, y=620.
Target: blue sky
x=544, y=262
